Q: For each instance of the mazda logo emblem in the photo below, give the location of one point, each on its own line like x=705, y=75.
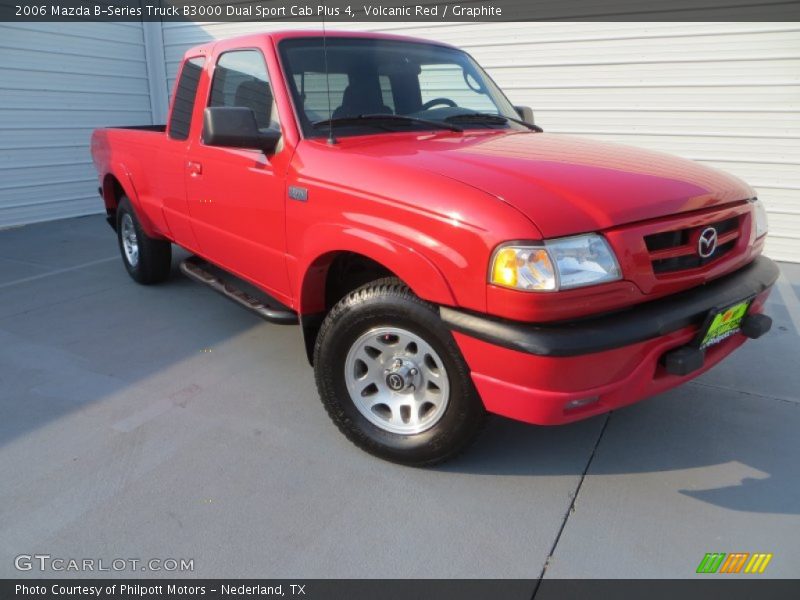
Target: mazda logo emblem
x=395, y=382
x=707, y=243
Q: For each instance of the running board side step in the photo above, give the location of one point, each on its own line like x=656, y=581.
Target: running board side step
x=204, y=272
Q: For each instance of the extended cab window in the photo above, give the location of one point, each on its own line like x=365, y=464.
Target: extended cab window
x=241, y=79
x=181, y=119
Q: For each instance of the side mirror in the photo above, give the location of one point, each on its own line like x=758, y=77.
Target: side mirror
x=525, y=113
x=235, y=127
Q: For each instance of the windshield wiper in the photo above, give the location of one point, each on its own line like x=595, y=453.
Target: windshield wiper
x=479, y=117
x=375, y=120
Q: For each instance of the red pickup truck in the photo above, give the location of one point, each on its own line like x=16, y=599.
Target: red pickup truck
x=443, y=256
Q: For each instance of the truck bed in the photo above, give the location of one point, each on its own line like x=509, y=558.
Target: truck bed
x=137, y=151
x=153, y=128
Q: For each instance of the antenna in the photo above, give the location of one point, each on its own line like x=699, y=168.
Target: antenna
x=331, y=139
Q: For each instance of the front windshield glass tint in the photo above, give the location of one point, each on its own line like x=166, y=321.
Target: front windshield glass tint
x=388, y=77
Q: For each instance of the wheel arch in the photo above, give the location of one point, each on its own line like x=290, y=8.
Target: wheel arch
x=321, y=285
x=116, y=184
x=112, y=192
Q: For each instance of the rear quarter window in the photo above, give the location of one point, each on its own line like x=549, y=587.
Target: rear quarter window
x=181, y=118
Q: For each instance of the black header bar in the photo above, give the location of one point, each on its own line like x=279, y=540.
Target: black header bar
x=399, y=10
x=722, y=587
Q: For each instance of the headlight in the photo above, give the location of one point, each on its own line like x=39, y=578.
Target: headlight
x=760, y=216
x=555, y=265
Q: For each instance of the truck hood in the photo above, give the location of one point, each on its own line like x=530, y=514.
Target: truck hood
x=567, y=185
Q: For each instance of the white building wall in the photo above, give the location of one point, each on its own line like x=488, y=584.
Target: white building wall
x=725, y=94
x=58, y=81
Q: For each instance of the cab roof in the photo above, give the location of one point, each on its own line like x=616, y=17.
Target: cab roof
x=277, y=36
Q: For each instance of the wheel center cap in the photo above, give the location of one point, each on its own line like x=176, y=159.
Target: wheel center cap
x=395, y=381
x=401, y=376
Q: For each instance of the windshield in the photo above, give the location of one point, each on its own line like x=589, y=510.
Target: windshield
x=371, y=77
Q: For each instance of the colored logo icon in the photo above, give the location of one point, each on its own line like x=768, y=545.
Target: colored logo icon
x=735, y=562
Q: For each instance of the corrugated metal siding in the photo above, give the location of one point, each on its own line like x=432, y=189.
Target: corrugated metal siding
x=726, y=94
x=58, y=81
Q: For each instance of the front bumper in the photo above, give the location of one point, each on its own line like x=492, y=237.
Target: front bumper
x=558, y=373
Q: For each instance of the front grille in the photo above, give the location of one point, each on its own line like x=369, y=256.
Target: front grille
x=677, y=250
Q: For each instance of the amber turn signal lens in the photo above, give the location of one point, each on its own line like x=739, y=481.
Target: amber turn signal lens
x=504, y=270
x=523, y=268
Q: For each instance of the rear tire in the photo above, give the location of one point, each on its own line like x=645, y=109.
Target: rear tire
x=392, y=378
x=146, y=259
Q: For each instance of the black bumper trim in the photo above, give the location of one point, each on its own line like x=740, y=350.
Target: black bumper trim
x=639, y=323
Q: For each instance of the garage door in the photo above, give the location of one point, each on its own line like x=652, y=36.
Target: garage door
x=57, y=82
x=725, y=94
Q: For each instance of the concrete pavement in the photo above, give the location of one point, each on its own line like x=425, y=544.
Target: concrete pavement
x=166, y=422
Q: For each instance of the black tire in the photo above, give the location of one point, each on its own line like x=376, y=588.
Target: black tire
x=154, y=259
x=389, y=303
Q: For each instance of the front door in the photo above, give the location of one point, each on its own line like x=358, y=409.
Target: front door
x=236, y=197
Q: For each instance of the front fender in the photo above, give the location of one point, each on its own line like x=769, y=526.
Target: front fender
x=321, y=244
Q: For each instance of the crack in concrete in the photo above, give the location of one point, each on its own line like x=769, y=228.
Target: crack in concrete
x=58, y=272
x=571, y=508
x=793, y=401
x=44, y=307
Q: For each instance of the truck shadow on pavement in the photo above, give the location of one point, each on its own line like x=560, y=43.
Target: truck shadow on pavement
x=77, y=330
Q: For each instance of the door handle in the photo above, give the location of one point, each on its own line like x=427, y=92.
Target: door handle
x=195, y=168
